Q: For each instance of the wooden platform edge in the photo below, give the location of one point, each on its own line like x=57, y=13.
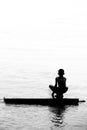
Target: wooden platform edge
x=42, y=101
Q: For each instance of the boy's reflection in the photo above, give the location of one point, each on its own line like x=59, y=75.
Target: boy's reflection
x=57, y=117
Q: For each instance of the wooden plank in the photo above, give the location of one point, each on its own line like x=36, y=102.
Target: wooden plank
x=42, y=101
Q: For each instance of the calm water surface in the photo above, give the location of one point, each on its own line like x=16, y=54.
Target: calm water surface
x=23, y=117
x=24, y=83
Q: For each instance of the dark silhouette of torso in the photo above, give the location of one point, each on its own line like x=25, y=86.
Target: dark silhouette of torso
x=60, y=82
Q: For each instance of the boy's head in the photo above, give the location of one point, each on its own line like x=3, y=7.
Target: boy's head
x=61, y=72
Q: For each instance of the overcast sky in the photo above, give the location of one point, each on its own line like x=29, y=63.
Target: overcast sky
x=54, y=23
x=52, y=32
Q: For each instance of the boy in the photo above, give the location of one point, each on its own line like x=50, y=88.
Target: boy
x=60, y=85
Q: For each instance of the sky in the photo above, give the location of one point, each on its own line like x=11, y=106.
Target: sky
x=47, y=34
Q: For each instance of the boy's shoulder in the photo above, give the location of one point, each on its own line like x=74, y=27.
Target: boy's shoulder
x=59, y=78
x=56, y=77
x=64, y=78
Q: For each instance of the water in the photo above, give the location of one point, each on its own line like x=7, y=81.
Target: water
x=19, y=80
x=21, y=117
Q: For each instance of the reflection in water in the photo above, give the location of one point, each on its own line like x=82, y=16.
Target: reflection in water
x=57, y=117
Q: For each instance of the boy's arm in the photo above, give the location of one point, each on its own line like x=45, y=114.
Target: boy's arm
x=55, y=82
x=65, y=82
